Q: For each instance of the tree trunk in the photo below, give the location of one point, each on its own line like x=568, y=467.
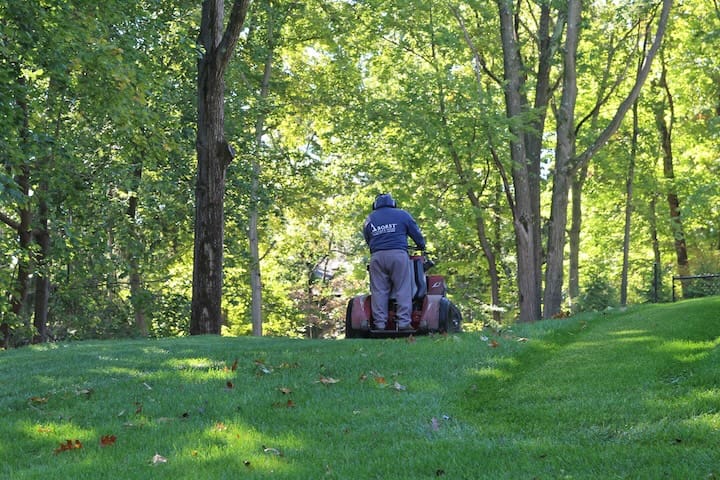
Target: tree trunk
x=136, y=284
x=665, y=127
x=526, y=222
x=629, y=209
x=253, y=234
x=574, y=235
x=214, y=155
x=23, y=226
x=654, y=240
x=563, y=153
x=42, y=282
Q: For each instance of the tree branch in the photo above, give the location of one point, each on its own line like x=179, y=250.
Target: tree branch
x=10, y=222
x=232, y=32
x=614, y=124
x=479, y=60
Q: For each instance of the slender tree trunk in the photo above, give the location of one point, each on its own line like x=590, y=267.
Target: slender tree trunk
x=136, y=282
x=664, y=120
x=578, y=181
x=42, y=282
x=654, y=237
x=574, y=236
x=214, y=155
x=629, y=209
x=253, y=234
x=41, y=232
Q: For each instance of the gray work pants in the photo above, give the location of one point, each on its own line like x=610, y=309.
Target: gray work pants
x=390, y=274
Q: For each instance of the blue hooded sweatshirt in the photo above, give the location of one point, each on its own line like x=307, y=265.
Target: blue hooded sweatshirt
x=388, y=227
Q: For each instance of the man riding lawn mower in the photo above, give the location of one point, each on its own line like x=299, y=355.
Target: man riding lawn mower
x=403, y=300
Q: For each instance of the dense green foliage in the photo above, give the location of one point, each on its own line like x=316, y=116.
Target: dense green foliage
x=628, y=394
x=97, y=142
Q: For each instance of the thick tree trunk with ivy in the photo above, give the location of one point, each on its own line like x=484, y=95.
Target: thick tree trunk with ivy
x=214, y=155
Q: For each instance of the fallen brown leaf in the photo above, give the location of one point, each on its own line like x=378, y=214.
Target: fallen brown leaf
x=68, y=445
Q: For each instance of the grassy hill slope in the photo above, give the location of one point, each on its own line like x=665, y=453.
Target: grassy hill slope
x=632, y=394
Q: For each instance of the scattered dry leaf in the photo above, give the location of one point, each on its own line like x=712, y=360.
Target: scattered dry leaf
x=285, y=390
x=68, y=445
x=288, y=404
x=157, y=458
x=493, y=343
x=107, y=440
x=234, y=365
x=399, y=387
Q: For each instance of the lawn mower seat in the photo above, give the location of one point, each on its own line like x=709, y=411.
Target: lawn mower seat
x=419, y=281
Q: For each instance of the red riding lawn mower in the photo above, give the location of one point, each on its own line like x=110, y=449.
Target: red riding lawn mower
x=432, y=312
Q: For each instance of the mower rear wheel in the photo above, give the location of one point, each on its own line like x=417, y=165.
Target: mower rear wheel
x=450, y=317
x=349, y=331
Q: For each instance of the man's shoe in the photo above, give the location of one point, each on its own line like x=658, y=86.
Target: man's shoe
x=406, y=328
x=378, y=326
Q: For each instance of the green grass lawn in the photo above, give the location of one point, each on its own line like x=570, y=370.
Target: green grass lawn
x=632, y=394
